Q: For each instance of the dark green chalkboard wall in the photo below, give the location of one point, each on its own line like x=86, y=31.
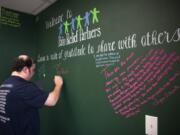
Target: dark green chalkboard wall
x=16, y=40
x=143, y=33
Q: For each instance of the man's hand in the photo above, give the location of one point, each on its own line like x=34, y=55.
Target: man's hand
x=56, y=92
x=58, y=80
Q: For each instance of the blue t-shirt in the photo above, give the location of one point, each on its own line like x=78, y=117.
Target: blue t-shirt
x=19, y=104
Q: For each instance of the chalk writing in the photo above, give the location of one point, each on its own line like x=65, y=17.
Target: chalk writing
x=155, y=38
x=147, y=79
x=104, y=48
x=106, y=59
x=9, y=18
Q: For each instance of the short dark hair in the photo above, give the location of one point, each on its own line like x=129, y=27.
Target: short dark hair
x=20, y=62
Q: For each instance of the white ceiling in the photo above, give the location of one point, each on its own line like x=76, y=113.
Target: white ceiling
x=27, y=6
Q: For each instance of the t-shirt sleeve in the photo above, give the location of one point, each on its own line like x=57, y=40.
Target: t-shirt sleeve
x=34, y=96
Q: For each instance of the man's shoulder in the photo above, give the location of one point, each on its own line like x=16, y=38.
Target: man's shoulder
x=14, y=82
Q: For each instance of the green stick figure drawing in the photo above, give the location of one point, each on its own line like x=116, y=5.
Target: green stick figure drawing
x=94, y=13
x=66, y=24
x=79, y=19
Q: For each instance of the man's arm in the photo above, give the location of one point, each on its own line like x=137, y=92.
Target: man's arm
x=55, y=94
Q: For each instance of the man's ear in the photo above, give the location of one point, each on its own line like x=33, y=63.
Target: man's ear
x=25, y=69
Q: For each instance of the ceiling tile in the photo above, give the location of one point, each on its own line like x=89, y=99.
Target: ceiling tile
x=27, y=6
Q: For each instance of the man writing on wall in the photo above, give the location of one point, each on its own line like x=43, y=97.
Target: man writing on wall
x=20, y=99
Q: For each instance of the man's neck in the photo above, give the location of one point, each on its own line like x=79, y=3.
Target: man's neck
x=15, y=73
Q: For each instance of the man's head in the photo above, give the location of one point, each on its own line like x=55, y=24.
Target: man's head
x=24, y=66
